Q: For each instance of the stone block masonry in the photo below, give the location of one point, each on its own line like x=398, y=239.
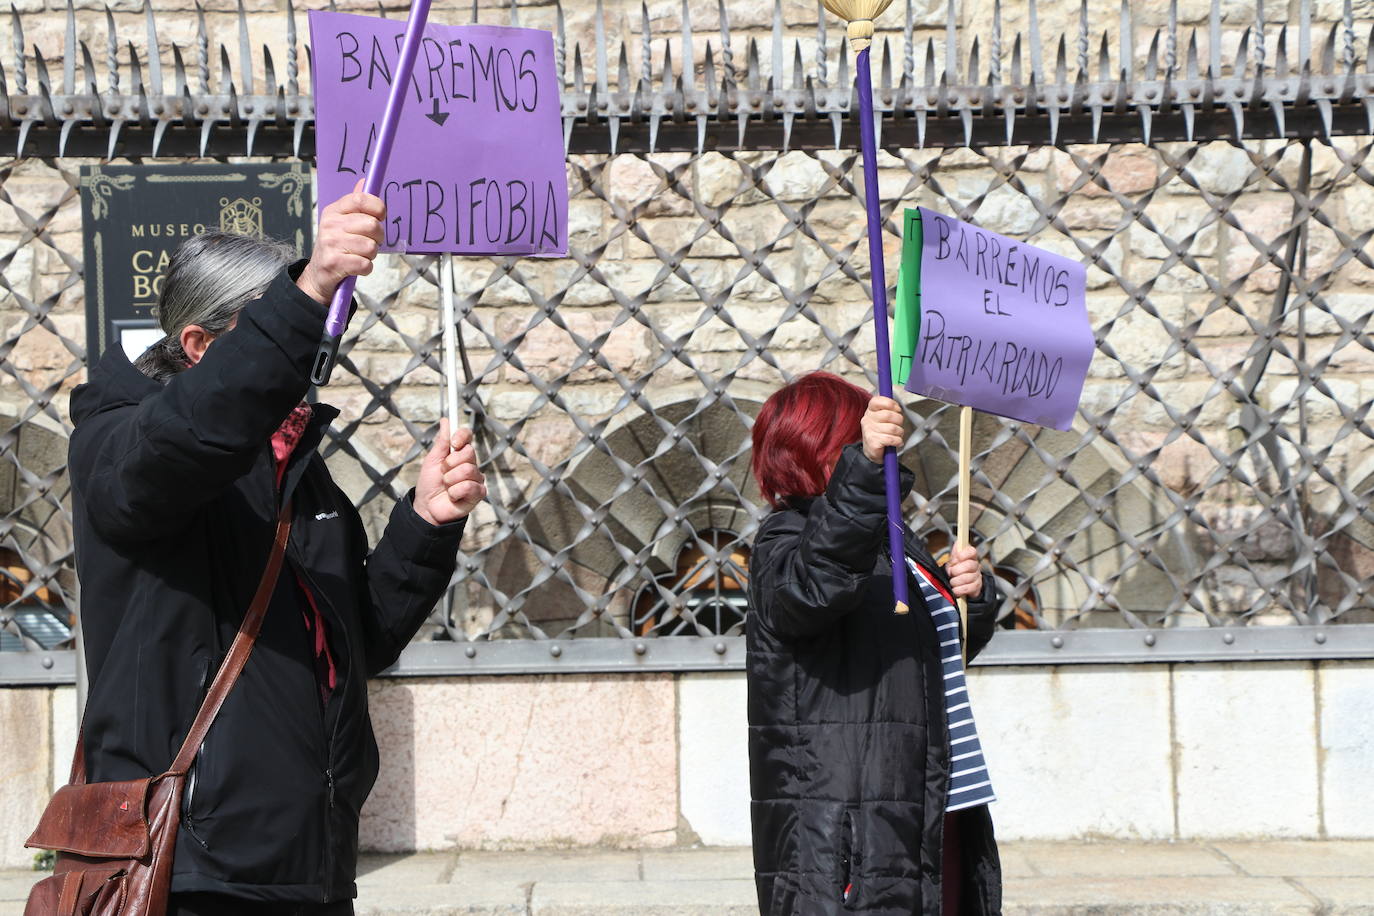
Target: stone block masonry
x=1132, y=753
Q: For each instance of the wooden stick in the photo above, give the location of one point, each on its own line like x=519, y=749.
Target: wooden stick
x=965, y=459
x=450, y=341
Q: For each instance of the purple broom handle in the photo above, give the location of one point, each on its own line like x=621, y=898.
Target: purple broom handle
x=863, y=81
x=337, y=321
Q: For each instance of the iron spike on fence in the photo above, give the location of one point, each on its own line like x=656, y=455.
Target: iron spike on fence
x=245, y=54
x=1241, y=67
x=657, y=108
x=695, y=99
x=1145, y=110
x=45, y=106
x=1191, y=76
x=1163, y=90
x=69, y=52
x=908, y=49
x=1010, y=94
x=292, y=65
x=646, y=63
x=179, y=73
x=1324, y=101
x=1280, y=71
x=21, y=76
x=776, y=45
x=111, y=55
x=1348, y=29
x=269, y=71
x=790, y=114
x=822, y=62
x=1084, y=43
x=1104, y=68
x=1052, y=106
x=202, y=51
x=966, y=104
x=92, y=90
x=927, y=99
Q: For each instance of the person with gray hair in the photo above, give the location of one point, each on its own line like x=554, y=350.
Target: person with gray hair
x=209, y=279
x=180, y=464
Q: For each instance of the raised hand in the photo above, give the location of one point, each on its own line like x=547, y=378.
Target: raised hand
x=881, y=426
x=965, y=575
x=450, y=485
x=346, y=245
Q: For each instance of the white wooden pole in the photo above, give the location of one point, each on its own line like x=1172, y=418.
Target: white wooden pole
x=965, y=459
x=450, y=341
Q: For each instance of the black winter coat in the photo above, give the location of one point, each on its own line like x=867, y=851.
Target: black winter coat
x=848, y=747
x=175, y=500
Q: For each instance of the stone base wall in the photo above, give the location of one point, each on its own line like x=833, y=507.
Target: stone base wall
x=37, y=736
x=1144, y=752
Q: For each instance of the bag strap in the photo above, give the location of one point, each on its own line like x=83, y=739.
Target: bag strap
x=229, y=669
x=232, y=666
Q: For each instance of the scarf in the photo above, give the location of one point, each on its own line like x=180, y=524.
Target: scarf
x=284, y=442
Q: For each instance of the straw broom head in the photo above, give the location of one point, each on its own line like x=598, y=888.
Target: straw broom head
x=860, y=15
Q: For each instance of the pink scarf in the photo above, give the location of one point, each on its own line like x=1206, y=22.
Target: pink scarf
x=284, y=442
x=288, y=436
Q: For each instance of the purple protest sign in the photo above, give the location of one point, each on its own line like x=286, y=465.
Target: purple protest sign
x=1004, y=325
x=478, y=166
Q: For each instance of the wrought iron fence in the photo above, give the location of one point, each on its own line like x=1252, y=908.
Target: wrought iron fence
x=1218, y=478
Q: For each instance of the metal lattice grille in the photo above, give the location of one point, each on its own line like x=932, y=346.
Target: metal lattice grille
x=1219, y=473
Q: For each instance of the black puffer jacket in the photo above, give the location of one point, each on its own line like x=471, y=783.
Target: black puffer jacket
x=175, y=500
x=848, y=748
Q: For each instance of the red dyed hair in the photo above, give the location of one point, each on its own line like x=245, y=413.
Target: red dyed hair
x=800, y=432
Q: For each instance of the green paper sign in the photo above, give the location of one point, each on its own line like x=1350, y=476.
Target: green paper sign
x=908, y=303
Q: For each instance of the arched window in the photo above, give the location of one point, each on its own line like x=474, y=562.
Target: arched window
x=30, y=617
x=1026, y=604
x=706, y=593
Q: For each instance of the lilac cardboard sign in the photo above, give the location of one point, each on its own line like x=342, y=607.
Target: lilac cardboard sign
x=478, y=165
x=1004, y=325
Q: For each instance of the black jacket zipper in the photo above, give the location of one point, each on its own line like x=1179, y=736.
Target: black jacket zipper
x=331, y=734
x=188, y=818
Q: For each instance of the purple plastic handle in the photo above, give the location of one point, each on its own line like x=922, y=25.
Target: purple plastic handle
x=863, y=81
x=391, y=117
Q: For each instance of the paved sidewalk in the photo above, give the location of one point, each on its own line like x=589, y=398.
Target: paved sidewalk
x=1042, y=879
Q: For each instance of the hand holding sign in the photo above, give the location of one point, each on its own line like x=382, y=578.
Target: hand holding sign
x=882, y=428
x=346, y=244
x=990, y=322
x=473, y=166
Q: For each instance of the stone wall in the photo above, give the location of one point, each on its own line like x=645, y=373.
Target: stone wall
x=1179, y=240
x=37, y=735
x=1131, y=752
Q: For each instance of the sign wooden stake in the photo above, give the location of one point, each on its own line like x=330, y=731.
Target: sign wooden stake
x=965, y=460
x=450, y=341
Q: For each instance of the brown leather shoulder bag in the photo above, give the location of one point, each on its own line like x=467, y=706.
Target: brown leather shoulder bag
x=114, y=840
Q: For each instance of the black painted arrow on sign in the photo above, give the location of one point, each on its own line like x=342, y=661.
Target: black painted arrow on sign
x=437, y=116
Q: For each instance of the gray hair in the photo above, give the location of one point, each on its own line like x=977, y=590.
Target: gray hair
x=209, y=279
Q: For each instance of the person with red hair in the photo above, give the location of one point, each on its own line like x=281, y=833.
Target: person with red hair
x=870, y=792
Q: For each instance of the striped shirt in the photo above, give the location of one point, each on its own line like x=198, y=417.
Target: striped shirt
x=969, y=782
